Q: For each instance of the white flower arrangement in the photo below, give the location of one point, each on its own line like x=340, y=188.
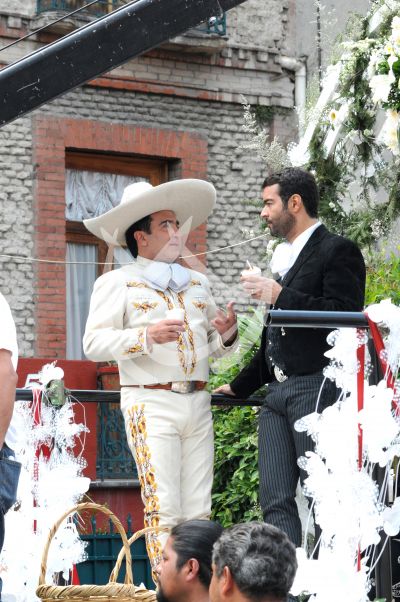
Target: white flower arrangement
x=349, y=504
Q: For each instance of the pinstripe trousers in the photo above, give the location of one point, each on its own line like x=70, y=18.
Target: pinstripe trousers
x=280, y=445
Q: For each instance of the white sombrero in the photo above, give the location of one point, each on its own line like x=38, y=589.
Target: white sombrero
x=187, y=198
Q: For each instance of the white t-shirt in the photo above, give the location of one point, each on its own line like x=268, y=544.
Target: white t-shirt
x=8, y=340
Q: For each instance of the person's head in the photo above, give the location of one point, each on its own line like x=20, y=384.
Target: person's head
x=252, y=562
x=291, y=200
x=185, y=569
x=156, y=236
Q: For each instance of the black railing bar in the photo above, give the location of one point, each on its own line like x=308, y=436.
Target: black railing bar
x=316, y=319
x=99, y=396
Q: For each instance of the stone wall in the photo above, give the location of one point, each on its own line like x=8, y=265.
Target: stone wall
x=259, y=24
x=23, y=8
x=16, y=226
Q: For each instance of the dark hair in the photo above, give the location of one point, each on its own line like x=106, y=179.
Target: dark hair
x=260, y=557
x=143, y=224
x=195, y=539
x=293, y=180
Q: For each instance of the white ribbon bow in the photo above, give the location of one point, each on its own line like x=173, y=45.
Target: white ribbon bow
x=161, y=275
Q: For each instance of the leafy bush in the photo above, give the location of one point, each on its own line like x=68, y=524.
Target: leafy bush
x=383, y=278
x=235, y=491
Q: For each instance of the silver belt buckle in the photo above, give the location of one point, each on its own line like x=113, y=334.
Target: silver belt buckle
x=279, y=375
x=183, y=386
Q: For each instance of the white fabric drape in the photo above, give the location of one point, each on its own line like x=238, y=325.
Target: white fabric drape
x=90, y=193
x=80, y=281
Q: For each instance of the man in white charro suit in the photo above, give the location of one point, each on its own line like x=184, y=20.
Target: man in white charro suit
x=158, y=320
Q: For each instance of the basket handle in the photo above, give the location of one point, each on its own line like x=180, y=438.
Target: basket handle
x=117, y=524
x=133, y=538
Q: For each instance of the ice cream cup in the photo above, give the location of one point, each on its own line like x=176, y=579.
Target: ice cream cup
x=175, y=314
x=254, y=271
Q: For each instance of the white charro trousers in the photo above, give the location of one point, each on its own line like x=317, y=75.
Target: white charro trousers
x=171, y=438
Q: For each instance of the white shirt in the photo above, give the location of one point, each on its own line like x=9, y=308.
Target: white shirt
x=286, y=253
x=8, y=340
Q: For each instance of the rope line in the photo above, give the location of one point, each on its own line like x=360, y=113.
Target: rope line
x=27, y=258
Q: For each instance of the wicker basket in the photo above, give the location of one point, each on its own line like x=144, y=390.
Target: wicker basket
x=134, y=537
x=112, y=591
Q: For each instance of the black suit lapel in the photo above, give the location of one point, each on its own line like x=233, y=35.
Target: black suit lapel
x=315, y=239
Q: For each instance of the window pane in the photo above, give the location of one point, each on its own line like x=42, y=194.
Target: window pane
x=80, y=280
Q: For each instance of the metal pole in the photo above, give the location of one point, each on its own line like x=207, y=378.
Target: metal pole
x=99, y=396
x=317, y=319
x=97, y=48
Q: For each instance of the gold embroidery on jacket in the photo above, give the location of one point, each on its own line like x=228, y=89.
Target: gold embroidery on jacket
x=145, y=306
x=195, y=283
x=139, y=346
x=187, y=370
x=135, y=284
x=189, y=332
x=202, y=305
x=148, y=483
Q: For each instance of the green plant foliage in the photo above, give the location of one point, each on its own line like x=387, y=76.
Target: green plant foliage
x=383, y=278
x=235, y=491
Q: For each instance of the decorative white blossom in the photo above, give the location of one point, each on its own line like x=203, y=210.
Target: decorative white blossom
x=298, y=154
x=389, y=132
x=381, y=85
x=48, y=487
x=395, y=36
x=348, y=503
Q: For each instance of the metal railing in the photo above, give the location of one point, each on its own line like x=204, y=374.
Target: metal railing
x=113, y=458
x=100, y=8
x=277, y=318
x=214, y=25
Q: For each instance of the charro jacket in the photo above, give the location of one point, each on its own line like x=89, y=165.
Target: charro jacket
x=123, y=305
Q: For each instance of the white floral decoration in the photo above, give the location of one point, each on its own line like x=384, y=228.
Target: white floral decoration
x=47, y=488
x=348, y=503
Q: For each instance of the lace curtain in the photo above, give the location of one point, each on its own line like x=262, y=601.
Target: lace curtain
x=90, y=193
x=80, y=281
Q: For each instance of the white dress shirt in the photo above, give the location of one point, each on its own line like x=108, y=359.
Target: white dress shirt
x=286, y=253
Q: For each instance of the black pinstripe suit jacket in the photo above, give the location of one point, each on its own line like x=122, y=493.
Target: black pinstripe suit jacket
x=328, y=275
